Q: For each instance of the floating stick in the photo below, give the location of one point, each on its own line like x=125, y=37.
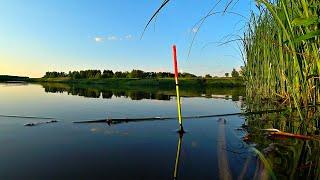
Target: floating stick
x=176, y=75
x=38, y=123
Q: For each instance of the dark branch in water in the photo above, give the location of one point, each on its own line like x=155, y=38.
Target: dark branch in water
x=38, y=123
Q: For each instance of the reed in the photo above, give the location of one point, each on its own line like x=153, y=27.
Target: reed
x=281, y=48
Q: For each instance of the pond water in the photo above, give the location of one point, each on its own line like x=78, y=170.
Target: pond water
x=212, y=148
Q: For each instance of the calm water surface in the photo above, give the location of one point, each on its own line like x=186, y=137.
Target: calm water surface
x=210, y=149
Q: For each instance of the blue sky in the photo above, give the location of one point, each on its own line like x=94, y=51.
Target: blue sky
x=57, y=35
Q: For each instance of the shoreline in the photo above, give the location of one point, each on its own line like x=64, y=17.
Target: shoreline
x=156, y=82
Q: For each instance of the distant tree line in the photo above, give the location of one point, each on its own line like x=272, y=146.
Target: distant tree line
x=98, y=74
x=235, y=73
x=4, y=78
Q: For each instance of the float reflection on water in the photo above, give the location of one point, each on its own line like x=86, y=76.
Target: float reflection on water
x=273, y=156
x=177, y=161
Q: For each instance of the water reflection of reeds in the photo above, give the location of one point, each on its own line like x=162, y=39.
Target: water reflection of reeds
x=289, y=157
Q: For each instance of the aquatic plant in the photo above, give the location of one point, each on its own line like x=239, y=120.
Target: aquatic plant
x=281, y=48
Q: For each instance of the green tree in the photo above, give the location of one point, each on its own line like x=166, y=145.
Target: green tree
x=234, y=73
x=97, y=74
x=226, y=74
x=119, y=74
x=187, y=75
x=151, y=75
x=107, y=74
x=74, y=75
x=136, y=74
x=208, y=76
x=164, y=74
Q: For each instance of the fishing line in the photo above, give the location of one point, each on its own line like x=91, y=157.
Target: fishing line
x=25, y=117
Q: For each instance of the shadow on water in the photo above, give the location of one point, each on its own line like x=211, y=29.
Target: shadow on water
x=223, y=164
x=139, y=93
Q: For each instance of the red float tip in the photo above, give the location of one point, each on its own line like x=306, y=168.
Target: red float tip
x=175, y=63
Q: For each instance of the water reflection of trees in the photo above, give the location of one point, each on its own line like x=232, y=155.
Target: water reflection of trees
x=98, y=91
x=105, y=93
x=89, y=92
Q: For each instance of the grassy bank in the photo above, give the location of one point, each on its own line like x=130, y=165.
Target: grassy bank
x=163, y=82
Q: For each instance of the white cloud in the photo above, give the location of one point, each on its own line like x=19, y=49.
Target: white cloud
x=98, y=39
x=112, y=38
x=128, y=37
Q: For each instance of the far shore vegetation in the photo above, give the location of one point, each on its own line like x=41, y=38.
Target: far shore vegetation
x=98, y=74
x=141, y=78
x=135, y=78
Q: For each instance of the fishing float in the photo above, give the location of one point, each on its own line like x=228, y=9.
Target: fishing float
x=176, y=77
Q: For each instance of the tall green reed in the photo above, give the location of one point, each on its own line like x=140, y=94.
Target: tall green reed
x=281, y=46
